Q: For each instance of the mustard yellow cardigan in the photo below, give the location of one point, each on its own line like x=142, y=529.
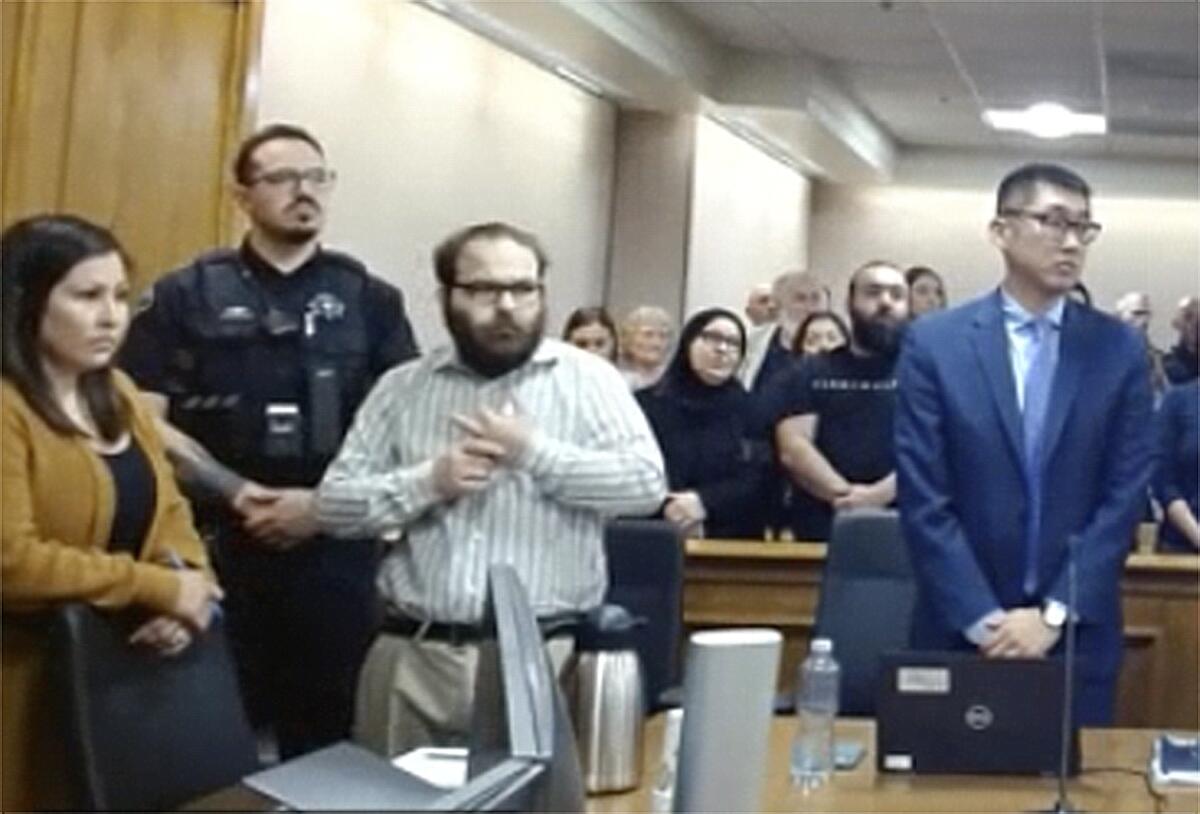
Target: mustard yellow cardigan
x=58, y=504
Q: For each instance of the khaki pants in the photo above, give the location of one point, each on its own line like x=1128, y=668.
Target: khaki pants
x=414, y=692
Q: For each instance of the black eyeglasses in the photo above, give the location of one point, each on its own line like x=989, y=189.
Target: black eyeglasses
x=319, y=177
x=522, y=293
x=1056, y=225
x=719, y=341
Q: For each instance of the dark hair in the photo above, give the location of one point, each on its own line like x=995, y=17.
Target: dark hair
x=870, y=264
x=682, y=362
x=445, y=256
x=815, y=316
x=35, y=255
x=1023, y=179
x=915, y=273
x=243, y=163
x=594, y=315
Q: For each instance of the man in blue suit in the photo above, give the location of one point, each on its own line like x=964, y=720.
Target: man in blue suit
x=1022, y=440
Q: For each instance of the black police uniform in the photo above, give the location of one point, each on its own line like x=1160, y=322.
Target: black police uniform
x=266, y=370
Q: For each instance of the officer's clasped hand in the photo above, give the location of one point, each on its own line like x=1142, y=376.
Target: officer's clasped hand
x=279, y=518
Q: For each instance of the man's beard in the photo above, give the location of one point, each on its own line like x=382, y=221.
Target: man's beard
x=297, y=235
x=481, y=357
x=880, y=336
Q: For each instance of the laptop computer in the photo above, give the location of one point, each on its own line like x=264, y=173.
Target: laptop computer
x=961, y=713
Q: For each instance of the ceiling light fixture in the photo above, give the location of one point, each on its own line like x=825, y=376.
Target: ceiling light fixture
x=1047, y=120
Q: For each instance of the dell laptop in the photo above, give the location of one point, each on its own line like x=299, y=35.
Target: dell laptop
x=961, y=713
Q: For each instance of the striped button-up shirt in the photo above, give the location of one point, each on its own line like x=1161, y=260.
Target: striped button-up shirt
x=591, y=456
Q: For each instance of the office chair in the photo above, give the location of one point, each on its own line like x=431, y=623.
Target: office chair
x=866, y=601
x=645, y=576
x=146, y=732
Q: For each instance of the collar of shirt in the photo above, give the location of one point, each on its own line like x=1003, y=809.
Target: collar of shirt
x=265, y=269
x=1016, y=316
x=445, y=358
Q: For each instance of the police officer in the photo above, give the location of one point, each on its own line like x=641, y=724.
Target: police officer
x=258, y=358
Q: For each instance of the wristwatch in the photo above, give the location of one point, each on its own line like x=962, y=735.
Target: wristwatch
x=1054, y=614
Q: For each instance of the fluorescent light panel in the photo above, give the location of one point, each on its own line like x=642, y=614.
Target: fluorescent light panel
x=1047, y=120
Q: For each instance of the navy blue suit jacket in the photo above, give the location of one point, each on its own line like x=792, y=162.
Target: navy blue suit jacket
x=962, y=495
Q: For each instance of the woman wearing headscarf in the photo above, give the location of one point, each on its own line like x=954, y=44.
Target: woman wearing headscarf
x=699, y=412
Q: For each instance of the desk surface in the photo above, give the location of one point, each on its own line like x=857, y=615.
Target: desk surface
x=865, y=789
x=1098, y=789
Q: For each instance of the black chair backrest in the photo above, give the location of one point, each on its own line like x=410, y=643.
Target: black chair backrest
x=866, y=602
x=645, y=575
x=147, y=732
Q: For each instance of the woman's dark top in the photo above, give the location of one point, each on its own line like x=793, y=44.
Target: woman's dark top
x=704, y=435
x=133, y=485
x=1176, y=474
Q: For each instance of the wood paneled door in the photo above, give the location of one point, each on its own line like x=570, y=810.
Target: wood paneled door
x=128, y=114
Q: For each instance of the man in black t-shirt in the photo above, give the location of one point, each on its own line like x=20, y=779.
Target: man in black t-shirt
x=832, y=415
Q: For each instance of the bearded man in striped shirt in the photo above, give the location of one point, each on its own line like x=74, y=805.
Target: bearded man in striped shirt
x=504, y=446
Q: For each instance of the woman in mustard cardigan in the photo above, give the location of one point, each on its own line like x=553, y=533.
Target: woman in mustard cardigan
x=91, y=512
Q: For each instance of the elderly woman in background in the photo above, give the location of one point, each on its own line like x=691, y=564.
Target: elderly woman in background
x=645, y=340
x=593, y=330
x=926, y=291
x=91, y=512
x=820, y=332
x=699, y=412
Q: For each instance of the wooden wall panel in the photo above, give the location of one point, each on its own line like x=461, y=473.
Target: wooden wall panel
x=128, y=113
x=37, y=81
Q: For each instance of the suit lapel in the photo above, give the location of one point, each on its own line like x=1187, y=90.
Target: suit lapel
x=1072, y=348
x=991, y=348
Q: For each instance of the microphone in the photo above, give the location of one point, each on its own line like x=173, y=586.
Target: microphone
x=1063, y=804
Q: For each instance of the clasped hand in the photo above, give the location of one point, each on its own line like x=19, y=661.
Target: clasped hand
x=278, y=518
x=491, y=438
x=1021, y=633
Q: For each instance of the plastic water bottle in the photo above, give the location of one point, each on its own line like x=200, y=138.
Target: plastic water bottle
x=816, y=709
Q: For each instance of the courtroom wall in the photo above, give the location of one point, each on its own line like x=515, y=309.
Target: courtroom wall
x=749, y=219
x=431, y=127
x=936, y=212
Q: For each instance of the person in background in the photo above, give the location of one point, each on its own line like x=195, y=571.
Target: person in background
x=1182, y=362
x=1134, y=310
x=699, y=413
x=769, y=347
x=259, y=356
x=91, y=512
x=926, y=290
x=1177, y=477
x=761, y=307
x=593, y=330
x=821, y=332
x=502, y=447
x=644, y=343
x=832, y=415
x=1023, y=452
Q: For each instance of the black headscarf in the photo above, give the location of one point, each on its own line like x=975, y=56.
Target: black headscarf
x=679, y=380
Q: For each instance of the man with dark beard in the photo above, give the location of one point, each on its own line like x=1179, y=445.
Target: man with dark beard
x=259, y=356
x=504, y=447
x=832, y=415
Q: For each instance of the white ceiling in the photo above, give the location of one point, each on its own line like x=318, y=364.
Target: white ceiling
x=925, y=70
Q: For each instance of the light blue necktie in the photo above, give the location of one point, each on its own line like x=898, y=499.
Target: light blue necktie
x=1043, y=358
